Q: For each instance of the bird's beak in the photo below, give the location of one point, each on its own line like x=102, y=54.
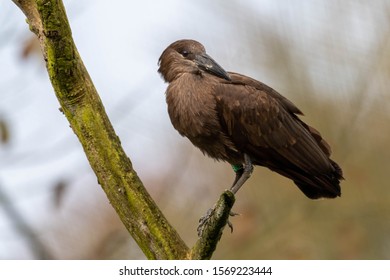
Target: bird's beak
x=206, y=63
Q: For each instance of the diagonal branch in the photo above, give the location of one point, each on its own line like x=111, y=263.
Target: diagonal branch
x=38, y=247
x=84, y=110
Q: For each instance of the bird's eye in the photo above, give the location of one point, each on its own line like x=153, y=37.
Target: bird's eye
x=184, y=53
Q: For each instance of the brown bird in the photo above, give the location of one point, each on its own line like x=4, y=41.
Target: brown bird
x=234, y=118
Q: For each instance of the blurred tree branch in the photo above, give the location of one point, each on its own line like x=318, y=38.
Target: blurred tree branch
x=84, y=110
x=38, y=248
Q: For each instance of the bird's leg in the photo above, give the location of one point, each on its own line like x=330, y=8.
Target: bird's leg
x=238, y=169
x=242, y=174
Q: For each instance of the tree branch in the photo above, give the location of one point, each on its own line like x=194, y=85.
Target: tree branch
x=211, y=231
x=38, y=248
x=84, y=110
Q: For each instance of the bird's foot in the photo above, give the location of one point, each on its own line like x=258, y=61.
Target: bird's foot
x=205, y=220
x=229, y=223
x=232, y=214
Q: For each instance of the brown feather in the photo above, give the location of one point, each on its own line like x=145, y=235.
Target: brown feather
x=227, y=115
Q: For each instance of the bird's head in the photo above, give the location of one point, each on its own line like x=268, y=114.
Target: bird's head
x=188, y=56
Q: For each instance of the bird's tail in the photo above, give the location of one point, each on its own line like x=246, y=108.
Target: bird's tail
x=317, y=186
x=324, y=185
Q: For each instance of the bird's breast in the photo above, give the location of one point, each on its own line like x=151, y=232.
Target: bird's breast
x=191, y=107
x=192, y=110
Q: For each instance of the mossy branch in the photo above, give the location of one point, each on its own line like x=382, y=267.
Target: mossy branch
x=84, y=110
x=212, y=230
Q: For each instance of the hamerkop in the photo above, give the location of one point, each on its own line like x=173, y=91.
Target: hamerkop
x=234, y=118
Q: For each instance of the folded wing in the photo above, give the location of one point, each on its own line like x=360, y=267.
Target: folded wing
x=264, y=124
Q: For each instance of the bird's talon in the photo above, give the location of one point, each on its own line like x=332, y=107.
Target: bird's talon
x=230, y=226
x=232, y=214
x=203, y=221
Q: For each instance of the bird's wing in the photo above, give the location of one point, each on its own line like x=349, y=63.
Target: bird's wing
x=245, y=80
x=259, y=119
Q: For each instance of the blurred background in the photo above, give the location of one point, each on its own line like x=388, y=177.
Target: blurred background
x=331, y=58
